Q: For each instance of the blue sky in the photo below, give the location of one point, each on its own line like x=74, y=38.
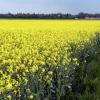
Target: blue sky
x=50, y=6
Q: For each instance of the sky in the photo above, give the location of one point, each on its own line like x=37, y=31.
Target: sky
x=50, y=6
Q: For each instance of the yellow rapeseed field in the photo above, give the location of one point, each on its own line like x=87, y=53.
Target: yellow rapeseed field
x=30, y=50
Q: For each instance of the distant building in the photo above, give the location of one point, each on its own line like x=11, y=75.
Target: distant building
x=92, y=18
x=76, y=18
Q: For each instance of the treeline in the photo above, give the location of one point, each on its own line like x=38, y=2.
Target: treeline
x=50, y=16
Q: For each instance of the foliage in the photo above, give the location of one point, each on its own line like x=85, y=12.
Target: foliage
x=81, y=15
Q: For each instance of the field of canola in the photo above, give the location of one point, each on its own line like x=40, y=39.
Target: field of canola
x=37, y=57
